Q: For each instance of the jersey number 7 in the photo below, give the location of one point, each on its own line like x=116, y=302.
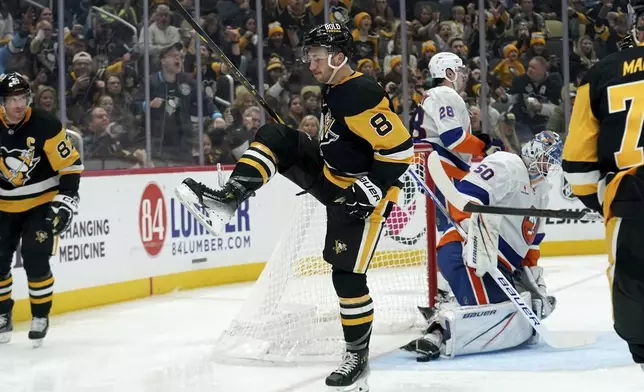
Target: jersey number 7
x=630, y=153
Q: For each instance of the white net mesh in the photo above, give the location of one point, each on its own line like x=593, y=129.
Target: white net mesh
x=292, y=313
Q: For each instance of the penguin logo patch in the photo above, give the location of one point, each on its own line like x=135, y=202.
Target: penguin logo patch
x=41, y=236
x=16, y=165
x=339, y=247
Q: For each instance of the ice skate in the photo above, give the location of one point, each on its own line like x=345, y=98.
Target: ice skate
x=352, y=373
x=212, y=208
x=6, y=327
x=38, y=330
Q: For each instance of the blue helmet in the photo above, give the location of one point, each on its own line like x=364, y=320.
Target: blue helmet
x=542, y=154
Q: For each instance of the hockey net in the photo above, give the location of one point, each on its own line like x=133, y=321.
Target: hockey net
x=292, y=313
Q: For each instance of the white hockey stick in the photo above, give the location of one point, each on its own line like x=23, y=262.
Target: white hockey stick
x=557, y=340
x=457, y=200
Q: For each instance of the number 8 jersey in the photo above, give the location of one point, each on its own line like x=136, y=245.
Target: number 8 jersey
x=443, y=121
x=361, y=135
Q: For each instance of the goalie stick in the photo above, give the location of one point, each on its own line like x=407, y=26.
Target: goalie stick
x=561, y=340
x=461, y=203
x=233, y=70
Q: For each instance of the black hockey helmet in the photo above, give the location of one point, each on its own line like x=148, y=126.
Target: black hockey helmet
x=335, y=37
x=12, y=83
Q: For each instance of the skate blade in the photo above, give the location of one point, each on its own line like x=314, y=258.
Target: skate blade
x=209, y=219
x=360, y=385
x=35, y=343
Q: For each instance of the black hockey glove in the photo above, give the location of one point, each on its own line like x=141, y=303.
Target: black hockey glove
x=62, y=211
x=361, y=198
x=491, y=145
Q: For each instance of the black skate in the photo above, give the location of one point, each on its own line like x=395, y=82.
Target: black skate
x=38, y=330
x=6, y=327
x=352, y=373
x=212, y=208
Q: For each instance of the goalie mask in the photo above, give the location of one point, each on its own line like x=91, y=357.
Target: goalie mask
x=542, y=154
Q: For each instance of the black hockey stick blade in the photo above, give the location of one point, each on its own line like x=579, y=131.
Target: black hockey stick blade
x=563, y=214
x=233, y=70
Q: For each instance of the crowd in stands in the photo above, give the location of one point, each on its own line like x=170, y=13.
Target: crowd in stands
x=104, y=66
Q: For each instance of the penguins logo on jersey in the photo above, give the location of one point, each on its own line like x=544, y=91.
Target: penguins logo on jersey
x=16, y=164
x=529, y=228
x=339, y=247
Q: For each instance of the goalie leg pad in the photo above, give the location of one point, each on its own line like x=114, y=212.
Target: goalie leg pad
x=478, y=329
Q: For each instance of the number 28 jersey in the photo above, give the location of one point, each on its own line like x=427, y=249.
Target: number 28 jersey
x=606, y=126
x=443, y=121
x=361, y=135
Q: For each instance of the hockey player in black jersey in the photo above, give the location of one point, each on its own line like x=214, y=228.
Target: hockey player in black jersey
x=603, y=159
x=353, y=171
x=39, y=178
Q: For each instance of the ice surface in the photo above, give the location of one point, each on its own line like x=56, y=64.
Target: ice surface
x=165, y=344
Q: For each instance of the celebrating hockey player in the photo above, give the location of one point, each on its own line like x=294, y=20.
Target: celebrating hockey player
x=39, y=179
x=353, y=171
x=604, y=163
x=443, y=121
x=484, y=319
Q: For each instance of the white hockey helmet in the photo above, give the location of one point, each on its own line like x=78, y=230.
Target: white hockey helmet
x=441, y=62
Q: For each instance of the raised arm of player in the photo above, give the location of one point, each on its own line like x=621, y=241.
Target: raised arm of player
x=580, y=159
x=392, y=144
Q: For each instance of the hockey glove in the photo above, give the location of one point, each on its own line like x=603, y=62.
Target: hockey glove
x=491, y=145
x=532, y=279
x=62, y=210
x=361, y=198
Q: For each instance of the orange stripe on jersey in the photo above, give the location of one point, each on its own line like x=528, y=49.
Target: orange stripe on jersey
x=477, y=287
x=449, y=236
x=531, y=258
x=453, y=171
x=470, y=145
x=506, y=263
x=457, y=214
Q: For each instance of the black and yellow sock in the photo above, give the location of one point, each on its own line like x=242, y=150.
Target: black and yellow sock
x=41, y=294
x=6, y=303
x=256, y=167
x=357, y=317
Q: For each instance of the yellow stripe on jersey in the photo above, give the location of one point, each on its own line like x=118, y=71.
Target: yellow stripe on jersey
x=339, y=181
x=60, y=152
x=584, y=190
x=583, y=130
x=382, y=129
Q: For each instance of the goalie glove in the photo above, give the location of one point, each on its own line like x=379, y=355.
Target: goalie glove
x=532, y=279
x=361, y=198
x=492, y=145
x=481, y=248
x=61, y=212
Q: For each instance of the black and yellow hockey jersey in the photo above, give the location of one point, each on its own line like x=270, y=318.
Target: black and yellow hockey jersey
x=606, y=127
x=362, y=135
x=36, y=162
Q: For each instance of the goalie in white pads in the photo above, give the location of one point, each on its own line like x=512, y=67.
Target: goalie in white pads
x=484, y=320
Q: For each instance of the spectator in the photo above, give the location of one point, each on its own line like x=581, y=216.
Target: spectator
x=239, y=138
x=296, y=19
x=277, y=46
x=367, y=67
x=243, y=100
x=535, y=21
x=364, y=42
x=537, y=47
x=84, y=86
x=427, y=51
x=504, y=130
x=311, y=126
x=173, y=104
x=425, y=26
x=534, y=97
x=311, y=97
x=295, y=113
x=45, y=99
x=6, y=25
x=510, y=67
x=383, y=17
x=43, y=49
x=160, y=33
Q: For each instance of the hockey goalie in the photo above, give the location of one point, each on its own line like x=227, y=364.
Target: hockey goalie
x=479, y=317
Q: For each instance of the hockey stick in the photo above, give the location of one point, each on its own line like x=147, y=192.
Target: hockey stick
x=457, y=200
x=558, y=340
x=233, y=70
